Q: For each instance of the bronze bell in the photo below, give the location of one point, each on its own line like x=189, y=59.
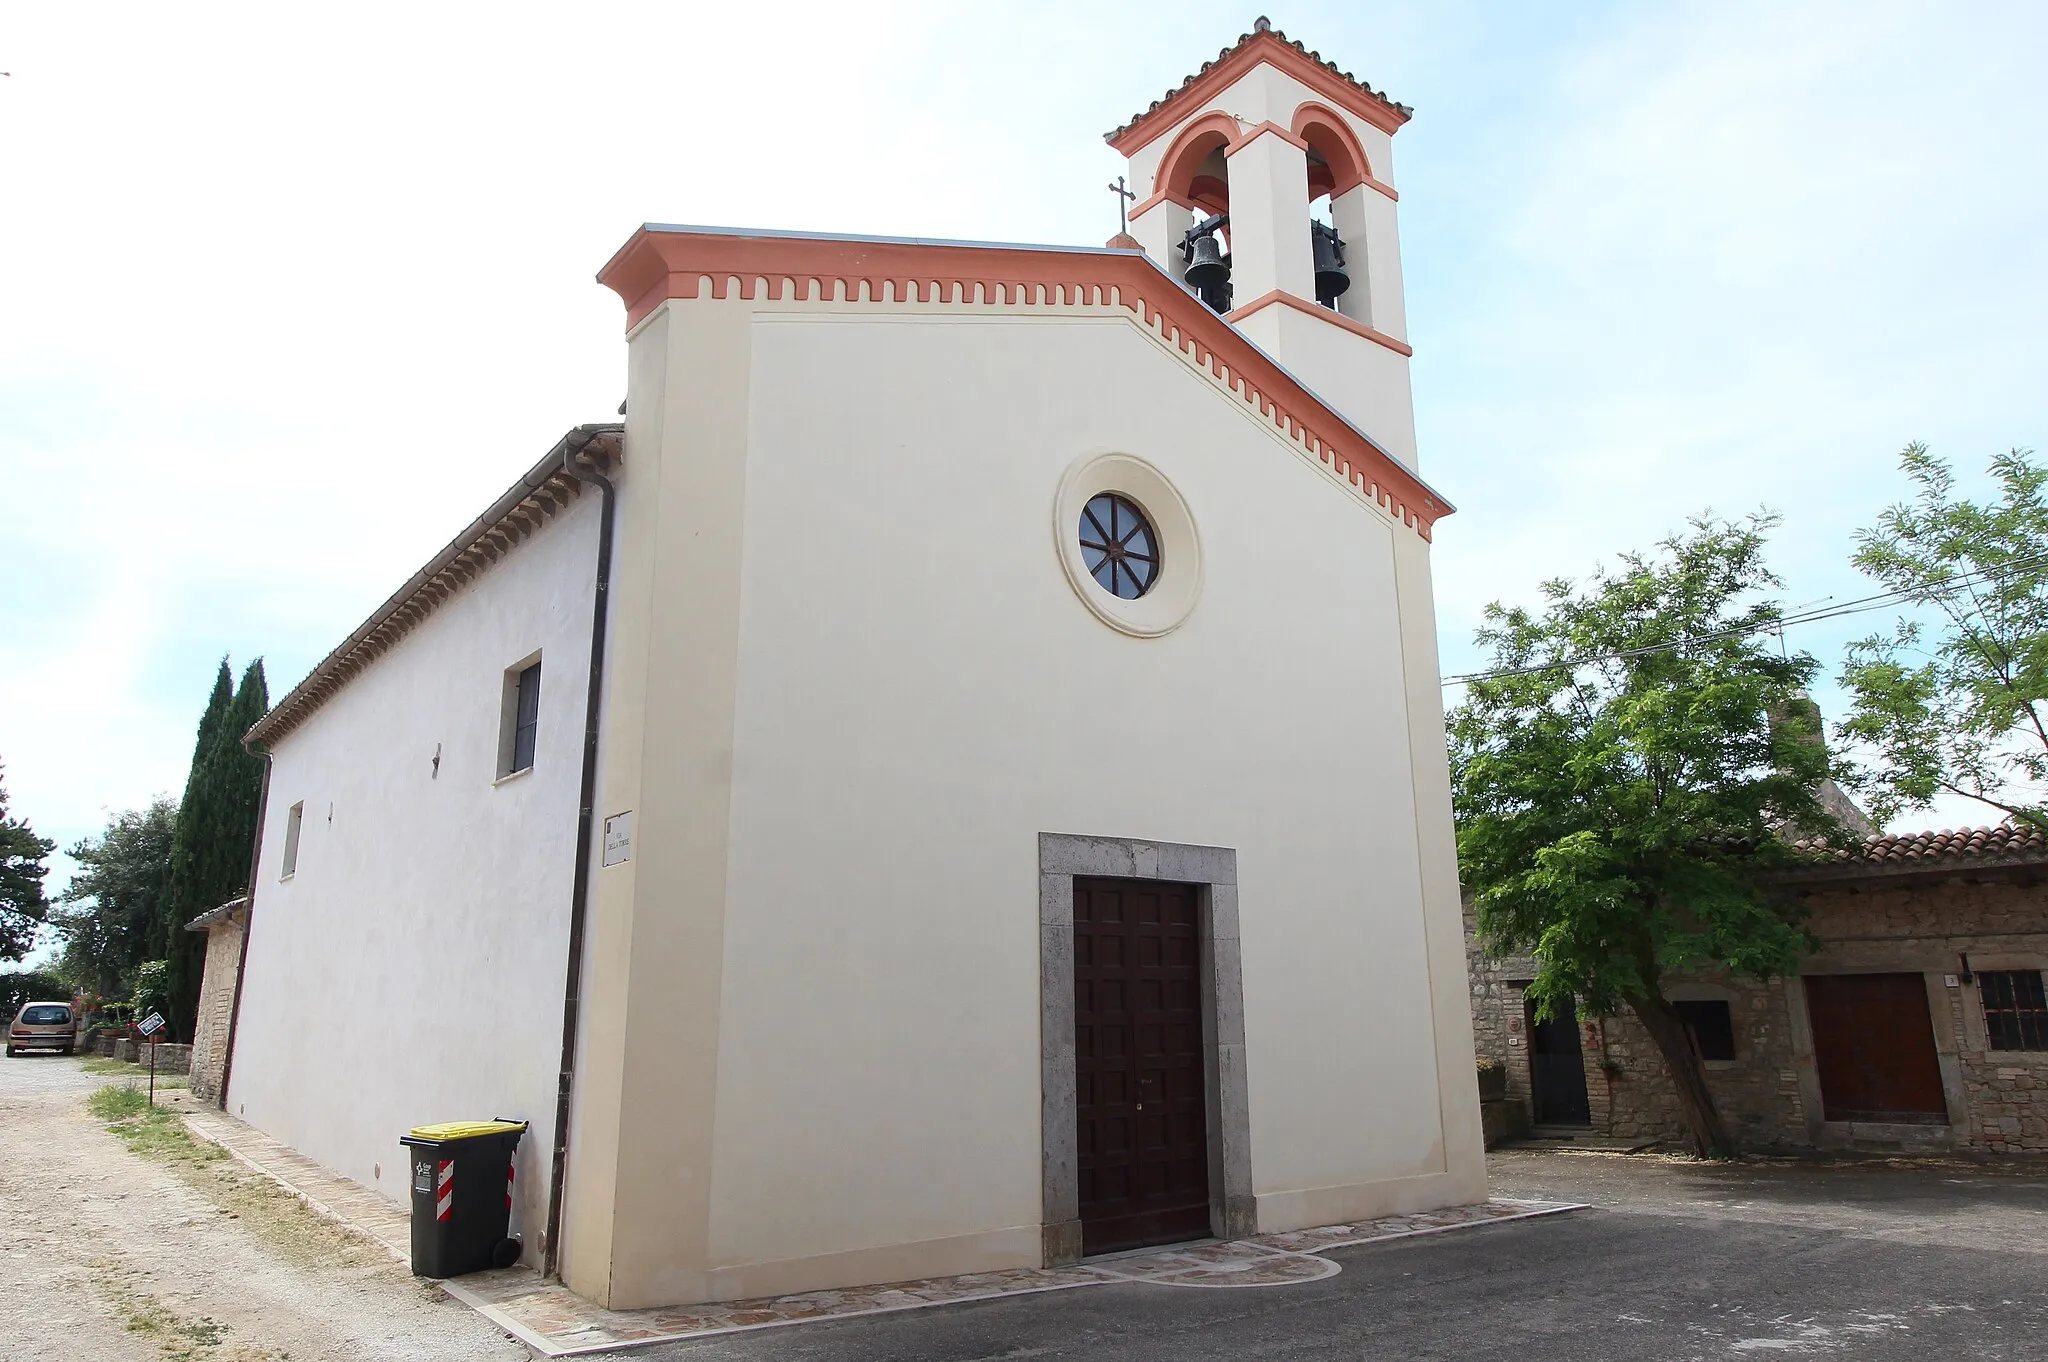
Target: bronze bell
x=1207, y=268
x=1332, y=279
x=1208, y=271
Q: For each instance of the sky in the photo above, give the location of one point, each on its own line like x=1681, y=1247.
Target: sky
x=288, y=294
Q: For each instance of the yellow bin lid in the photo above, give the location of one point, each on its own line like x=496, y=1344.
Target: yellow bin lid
x=465, y=1130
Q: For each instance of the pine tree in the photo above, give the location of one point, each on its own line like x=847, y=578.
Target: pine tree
x=215, y=835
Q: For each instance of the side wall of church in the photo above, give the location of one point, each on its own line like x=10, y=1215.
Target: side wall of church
x=410, y=969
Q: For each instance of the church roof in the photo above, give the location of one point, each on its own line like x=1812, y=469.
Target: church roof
x=547, y=488
x=1266, y=43
x=662, y=262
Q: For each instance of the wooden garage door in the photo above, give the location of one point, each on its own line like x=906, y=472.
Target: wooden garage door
x=1138, y=1068
x=1873, y=1044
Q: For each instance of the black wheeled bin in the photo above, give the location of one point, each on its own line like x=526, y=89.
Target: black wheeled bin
x=462, y=1196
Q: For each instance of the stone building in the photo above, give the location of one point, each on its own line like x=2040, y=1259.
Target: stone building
x=1918, y=1023
x=212, y=1035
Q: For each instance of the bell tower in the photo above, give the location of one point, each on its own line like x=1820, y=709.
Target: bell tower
x=1265, y=187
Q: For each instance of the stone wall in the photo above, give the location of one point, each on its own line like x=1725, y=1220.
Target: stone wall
x=1998, y=1099
x=1770, y=1093
x=1757, y=1092
x=216, y=1006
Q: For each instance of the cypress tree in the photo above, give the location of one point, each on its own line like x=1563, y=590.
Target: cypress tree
x=184, y=836
x=215, y=834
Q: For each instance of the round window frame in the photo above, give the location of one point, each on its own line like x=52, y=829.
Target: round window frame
x=1175, y=587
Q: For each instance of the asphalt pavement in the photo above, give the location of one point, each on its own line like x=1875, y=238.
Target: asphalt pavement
x=1674, y=1262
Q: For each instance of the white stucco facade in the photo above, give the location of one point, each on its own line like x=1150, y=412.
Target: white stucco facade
x=920, y=694
x=411, y=969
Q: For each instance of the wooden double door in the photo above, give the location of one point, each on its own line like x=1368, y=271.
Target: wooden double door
x=1139, y=1069
x=1873, y=1048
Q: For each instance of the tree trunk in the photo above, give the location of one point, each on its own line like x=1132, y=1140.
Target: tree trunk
x=1710, y=1137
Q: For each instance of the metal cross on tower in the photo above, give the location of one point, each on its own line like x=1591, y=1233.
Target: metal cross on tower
x=1123, y=200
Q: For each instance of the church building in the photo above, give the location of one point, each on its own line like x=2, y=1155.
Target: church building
x=955, y=780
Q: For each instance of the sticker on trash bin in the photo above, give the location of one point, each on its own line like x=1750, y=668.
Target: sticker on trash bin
x=423, y=1176
x=150, y=1025
x=618, y=838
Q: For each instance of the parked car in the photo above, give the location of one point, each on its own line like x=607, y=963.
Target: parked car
x=41, y=1026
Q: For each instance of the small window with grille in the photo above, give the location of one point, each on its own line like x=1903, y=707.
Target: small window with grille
x=2015, y=1008
x=292, y=823
x=1712, y=1026
x=519, y=729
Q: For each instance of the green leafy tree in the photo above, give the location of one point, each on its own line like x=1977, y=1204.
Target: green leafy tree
x=1622, y=779
x=106, y=915
x=24, y=861
x=1951, y=700
x=213, y=837
x=152, y=989
x=28, y=986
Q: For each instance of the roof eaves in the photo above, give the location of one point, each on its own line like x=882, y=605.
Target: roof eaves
x=220, y=914
x=539, y=494
x=1948, y=851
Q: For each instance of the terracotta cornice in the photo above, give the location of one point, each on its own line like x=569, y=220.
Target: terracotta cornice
x=1387, y=189
x=1161, y=197
x=546, y=490
x=1323, y=314
x=1275, y=49
x=660, y=264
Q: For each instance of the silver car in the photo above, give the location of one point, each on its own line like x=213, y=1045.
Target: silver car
x=41, y=1026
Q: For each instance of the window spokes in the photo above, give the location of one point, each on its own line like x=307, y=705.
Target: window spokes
x=1118, y=546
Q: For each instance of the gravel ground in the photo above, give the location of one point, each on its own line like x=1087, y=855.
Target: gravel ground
x=117, y=1258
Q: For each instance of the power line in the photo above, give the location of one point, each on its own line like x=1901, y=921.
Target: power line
x=1883, y=600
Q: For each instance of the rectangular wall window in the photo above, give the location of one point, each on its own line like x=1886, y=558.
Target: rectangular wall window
x=520, y=728
x=1713, y=1027
x=291, y=840
x=2015, y=1008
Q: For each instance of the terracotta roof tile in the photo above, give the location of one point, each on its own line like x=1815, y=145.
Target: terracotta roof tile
x=1262, y=28
x=1958, y=845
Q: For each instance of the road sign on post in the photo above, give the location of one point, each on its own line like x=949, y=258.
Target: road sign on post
x=149, y=1026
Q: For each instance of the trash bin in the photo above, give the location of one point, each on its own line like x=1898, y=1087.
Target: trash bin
x=462, y=1196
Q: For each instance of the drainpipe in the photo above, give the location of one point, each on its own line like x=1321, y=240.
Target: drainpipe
x=227, y=1063
x=586, y=807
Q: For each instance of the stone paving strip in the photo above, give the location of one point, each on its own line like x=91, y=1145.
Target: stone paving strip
x=556, y=1322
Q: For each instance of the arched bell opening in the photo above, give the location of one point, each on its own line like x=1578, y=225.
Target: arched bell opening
x=1195, y=173
x=1336, y=161
x=1337, y=175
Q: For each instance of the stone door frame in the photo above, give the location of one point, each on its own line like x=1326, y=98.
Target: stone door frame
x=1233, y=1210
